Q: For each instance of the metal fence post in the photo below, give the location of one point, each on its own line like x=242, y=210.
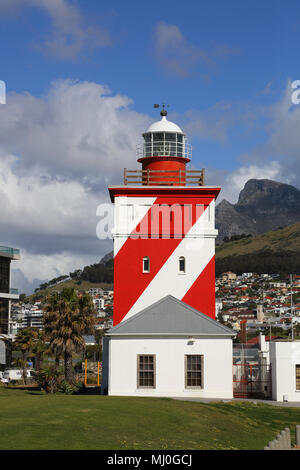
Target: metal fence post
x=298, y=435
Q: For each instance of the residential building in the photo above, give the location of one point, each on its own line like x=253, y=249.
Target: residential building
x=7, y=293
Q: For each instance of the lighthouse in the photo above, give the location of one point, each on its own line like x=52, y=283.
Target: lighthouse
x=165, y=340
x=164, y=227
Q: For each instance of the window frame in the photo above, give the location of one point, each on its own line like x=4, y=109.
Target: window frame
x=297, y=377
x=186, y=370
x=182, y=258
x=144, y=259
x=145, y=387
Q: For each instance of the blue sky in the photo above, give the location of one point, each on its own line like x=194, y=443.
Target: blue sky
x=82, y=77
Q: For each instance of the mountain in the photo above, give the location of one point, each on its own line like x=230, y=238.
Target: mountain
x=107, y=257
x=277, y=251
x=263, y=205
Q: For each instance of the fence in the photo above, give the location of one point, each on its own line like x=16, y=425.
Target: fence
x=283, y=440
x=92, y=373
x=252, y=381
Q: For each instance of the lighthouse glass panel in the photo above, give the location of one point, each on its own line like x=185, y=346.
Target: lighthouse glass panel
x=158, y=144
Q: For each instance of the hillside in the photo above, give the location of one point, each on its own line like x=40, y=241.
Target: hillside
x=274, y=251
x=79, y=285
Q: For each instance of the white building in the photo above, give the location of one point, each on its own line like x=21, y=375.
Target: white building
x=285, y=364
x=219, y=307
x=99, y=307
x=95, y=291
x=168, y=349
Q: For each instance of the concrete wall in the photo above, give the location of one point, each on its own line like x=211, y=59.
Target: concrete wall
x=2, y=353
x=170, y=368
x=283, y=358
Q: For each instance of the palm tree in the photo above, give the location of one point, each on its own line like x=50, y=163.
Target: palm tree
x=39, y=348
x=68, y=317
x=24, y=341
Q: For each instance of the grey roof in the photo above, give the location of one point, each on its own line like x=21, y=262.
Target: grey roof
x=170, y=316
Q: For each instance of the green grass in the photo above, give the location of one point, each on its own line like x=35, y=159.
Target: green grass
x=34, y=420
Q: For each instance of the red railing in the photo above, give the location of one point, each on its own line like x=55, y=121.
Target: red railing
x=164, y=177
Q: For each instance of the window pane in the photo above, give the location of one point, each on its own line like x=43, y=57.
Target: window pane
x=146, y=265
x=182, y=265
x=146, y=371
x=297, y=376
x=159, y=136
x=193, y=371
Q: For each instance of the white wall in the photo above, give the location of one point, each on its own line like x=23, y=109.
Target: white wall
x=170, y=377
x=283, y=357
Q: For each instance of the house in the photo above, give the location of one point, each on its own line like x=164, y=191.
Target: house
x=168, y=349
x=229, y=276
x=285, y=364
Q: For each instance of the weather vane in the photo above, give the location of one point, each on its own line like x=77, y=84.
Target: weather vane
x=163, y=112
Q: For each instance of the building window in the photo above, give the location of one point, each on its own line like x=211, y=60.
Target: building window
x=298, y=377
x=146, y=265
x=146, y=371
x=193, y=371
x=182, y=264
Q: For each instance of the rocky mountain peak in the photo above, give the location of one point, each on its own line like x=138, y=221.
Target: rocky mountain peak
x=256, y=189
x=263, y=205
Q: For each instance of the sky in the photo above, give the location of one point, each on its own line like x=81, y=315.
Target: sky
x=81, y=80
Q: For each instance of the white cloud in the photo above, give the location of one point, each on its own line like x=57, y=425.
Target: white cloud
x=50, y=266
x=179, y=56
x=31, y=203
x=71, y=33
x=78, y=130
x=174, y=52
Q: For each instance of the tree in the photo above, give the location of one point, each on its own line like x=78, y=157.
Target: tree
x=68, y=317
x=39, y=348
x=24, y=342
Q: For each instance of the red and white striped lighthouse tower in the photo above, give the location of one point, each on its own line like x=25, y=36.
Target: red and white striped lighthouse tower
x=164, y=227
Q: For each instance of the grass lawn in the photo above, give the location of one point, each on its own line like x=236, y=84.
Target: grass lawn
x=34, y=420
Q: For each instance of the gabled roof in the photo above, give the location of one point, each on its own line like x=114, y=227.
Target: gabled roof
x=170, y=316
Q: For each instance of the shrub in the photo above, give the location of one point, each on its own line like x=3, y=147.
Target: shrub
x=49, y=379
x=69, y=388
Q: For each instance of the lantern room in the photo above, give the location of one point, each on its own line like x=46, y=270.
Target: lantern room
x=164, y=139
x=164, y=154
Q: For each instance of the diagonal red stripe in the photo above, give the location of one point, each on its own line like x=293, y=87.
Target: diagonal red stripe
x=201, y=295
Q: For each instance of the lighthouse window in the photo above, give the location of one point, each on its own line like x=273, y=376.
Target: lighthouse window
x=171, y=137
x=146, y=265
x=182, y=264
